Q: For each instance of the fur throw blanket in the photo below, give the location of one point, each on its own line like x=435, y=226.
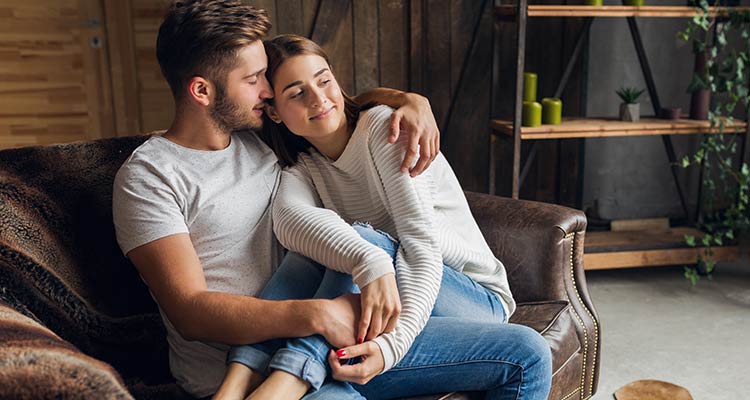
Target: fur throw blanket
x=71, y=297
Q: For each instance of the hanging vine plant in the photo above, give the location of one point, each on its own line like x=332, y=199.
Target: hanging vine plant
x=722, y=48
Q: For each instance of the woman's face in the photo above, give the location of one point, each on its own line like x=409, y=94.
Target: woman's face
x=307, y=97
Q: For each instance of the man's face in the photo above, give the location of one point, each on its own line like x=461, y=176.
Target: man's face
x=239, y=103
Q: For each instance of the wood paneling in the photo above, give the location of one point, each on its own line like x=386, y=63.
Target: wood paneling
x=54, y=72
x=155, y=99
x=440, y=48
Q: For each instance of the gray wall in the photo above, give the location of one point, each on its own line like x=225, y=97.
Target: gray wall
x=631, y=177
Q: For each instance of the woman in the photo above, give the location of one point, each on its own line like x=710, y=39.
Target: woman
x=430, y=261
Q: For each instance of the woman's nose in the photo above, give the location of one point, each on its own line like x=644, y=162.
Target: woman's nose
x=318, y=98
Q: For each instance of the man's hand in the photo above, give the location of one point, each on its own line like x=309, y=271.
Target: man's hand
x=372, y=363
x=415, y=117
x=381, y=306
x=340, y=318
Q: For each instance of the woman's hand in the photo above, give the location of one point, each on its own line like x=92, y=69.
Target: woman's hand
x=415, y=117
x=381, y=306
x=371, y=365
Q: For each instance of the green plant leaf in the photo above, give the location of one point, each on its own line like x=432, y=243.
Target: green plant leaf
x=690, y=240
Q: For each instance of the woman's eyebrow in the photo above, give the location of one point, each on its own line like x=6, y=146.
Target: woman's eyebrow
x=295, y=83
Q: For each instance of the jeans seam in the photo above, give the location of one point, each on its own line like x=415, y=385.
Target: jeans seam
x=397, y=368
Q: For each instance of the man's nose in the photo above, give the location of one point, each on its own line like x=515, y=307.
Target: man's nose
x=266, y=91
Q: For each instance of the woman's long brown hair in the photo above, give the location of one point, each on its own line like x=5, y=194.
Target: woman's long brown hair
x=284, y=143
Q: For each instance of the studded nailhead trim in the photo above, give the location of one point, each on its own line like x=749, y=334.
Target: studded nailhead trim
x=581, y=389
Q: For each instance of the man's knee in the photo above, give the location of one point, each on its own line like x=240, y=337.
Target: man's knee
x=376, y=237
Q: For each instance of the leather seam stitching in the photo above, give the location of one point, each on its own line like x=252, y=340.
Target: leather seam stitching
x=568, y=360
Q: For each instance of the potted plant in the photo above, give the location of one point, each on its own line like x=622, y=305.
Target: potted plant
x=630, y=109
x=724, y=51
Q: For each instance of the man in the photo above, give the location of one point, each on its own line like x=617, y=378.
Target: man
x=191, y=206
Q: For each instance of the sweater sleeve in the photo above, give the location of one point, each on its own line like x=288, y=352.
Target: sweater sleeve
x=303, y=226
x=419, y=265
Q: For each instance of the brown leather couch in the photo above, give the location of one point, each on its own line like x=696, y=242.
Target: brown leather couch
x=76, y=321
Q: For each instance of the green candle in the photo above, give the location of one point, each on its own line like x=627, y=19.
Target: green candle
x=593, y=2
x=532, y=114
x=551, y=111
x=529, y=86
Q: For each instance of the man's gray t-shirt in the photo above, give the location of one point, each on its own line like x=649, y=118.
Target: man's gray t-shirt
x=222, y=199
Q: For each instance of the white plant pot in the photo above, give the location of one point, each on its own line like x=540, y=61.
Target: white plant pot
x=630, y=112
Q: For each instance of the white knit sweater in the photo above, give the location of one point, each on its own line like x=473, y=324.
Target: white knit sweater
x=320, y=198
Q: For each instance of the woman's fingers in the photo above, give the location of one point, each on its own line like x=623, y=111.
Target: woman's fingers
x=361, y=373
x=391, y=325
x=364, y=324
x=376, y=327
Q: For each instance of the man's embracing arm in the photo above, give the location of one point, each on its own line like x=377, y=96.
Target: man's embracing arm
x=174, y=275
x=414, y=116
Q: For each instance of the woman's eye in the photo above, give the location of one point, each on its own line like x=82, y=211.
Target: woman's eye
x=298, y=94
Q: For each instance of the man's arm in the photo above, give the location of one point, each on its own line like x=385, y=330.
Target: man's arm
x=175, y=277
x=414, y=115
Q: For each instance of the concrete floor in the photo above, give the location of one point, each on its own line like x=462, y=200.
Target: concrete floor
x=655, y=325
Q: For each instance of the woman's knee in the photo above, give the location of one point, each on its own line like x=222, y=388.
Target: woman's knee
x=376, y=237
x=537, y=352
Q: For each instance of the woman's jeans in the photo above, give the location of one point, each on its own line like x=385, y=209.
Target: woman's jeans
x=465, y=346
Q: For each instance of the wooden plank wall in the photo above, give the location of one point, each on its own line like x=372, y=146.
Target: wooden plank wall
x=440, y=48
x=54, y=83
x=554, y=176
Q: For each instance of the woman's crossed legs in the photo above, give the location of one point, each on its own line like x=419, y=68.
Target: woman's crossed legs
x=466, y=344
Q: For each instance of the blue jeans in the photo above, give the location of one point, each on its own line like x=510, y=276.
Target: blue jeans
x=465, y=346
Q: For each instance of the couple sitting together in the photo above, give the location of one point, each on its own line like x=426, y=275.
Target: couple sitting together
x=388, y=288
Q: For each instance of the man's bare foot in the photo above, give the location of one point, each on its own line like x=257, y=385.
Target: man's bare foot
x=239, y=380
x=280, y=385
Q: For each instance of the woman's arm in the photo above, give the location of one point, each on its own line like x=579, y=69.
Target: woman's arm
x=414, y=115
x=303, y=226
x=419, y=265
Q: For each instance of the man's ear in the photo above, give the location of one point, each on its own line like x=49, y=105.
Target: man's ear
x=271, y=112
x=200, y=90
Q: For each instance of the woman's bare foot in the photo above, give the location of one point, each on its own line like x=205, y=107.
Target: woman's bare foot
x=239, y=380
x=280, y=385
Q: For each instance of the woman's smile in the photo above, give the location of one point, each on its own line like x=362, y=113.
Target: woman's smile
x=325, y=114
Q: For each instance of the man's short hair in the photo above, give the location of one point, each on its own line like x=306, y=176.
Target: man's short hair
x=203, y=37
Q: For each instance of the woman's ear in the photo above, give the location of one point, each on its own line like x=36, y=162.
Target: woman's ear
x=271, y=112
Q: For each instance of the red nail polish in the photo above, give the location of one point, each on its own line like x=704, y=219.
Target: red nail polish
x=360, y=340
x=341, y=353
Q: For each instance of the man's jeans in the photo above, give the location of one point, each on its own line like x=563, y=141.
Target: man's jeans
x=466, y=345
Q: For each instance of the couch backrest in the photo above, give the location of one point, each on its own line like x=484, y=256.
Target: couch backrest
x=59, y=259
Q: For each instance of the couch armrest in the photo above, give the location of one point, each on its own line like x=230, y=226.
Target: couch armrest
x=529, y=238
x=37, y=364
x=541, y=246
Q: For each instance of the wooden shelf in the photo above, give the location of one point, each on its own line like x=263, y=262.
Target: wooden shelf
x=606, y=250
x=609, y=127
x=614, y=11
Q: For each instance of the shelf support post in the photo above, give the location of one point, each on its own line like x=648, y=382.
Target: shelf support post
x=574, y=57
x=521, y=13
x=638, y=43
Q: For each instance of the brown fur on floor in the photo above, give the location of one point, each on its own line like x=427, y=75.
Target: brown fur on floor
x=36, y=364
x=652, y=390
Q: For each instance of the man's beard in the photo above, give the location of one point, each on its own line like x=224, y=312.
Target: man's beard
x=229, y=116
